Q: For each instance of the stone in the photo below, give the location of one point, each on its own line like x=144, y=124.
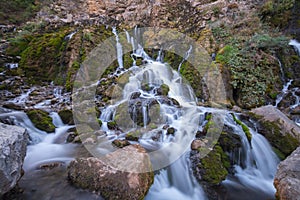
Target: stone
x=171, y=131
x=120, y=143
x=13, y=106
x=287, y=178
x=281, y=132
x=66, y=117
x=196, y=144
x=163, y=90
x=13, y=144
x=109, y=178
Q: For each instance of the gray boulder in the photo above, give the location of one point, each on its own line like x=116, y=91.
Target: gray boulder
x=287, y=179
x=13, y=143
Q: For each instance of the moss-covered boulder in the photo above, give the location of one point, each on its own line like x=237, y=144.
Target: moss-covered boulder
x=66, y=116
x=211, y=170
x=281, y=132
x=41, y=120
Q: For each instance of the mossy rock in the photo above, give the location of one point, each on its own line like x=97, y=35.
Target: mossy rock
x=120, y=143
x=285, y=144
x=214, y=166
x=133, y=136
x=163, y=90
x=171, y=131
x=41, y=120
x=66, y=117
x=112, y=125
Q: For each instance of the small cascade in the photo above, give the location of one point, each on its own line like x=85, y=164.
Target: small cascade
x=11, y=65
x=297, y=98
x=69, y=37
x=283, y=92
x=119, y=48
x=296, y=46
x=255, y=169
x=281, y=71
x=176, y=182
x=186, y=56
x=23, y=98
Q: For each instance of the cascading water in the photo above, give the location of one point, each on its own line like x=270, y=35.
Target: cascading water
x=255, y=168
x=119, y=49
x=283, y=92
x=296, y=46
x=46, y=160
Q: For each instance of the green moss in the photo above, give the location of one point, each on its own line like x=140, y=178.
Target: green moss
x=133, y=136
x=164, y=89
x=41, y=120
x=100, y=122
x=214, y=166
x=40, y=61
x=193, y=77
x=244, y=127
x=112, y=125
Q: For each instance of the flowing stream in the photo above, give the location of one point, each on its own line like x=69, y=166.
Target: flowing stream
x=254, y=168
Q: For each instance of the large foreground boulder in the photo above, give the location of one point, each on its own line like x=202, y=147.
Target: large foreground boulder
x=13, y=143
x=114, y=181
x=281, y=132
x=287, y=179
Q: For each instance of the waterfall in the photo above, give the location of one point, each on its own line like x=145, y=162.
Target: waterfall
x=176, y=183
x=186, y=56
x=119, y=49
x=296, y=46
x=254, y=174
x=283, y=92
x=281, y=71
x=23, y=97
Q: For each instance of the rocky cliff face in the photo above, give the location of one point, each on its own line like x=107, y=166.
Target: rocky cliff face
x=287, y=179
x=13, y=143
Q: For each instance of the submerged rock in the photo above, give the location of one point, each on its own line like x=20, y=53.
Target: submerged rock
x=111, y=181
x=13, y=143
x=287, y=179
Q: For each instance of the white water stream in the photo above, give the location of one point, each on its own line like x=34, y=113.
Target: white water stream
x=175, y=181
